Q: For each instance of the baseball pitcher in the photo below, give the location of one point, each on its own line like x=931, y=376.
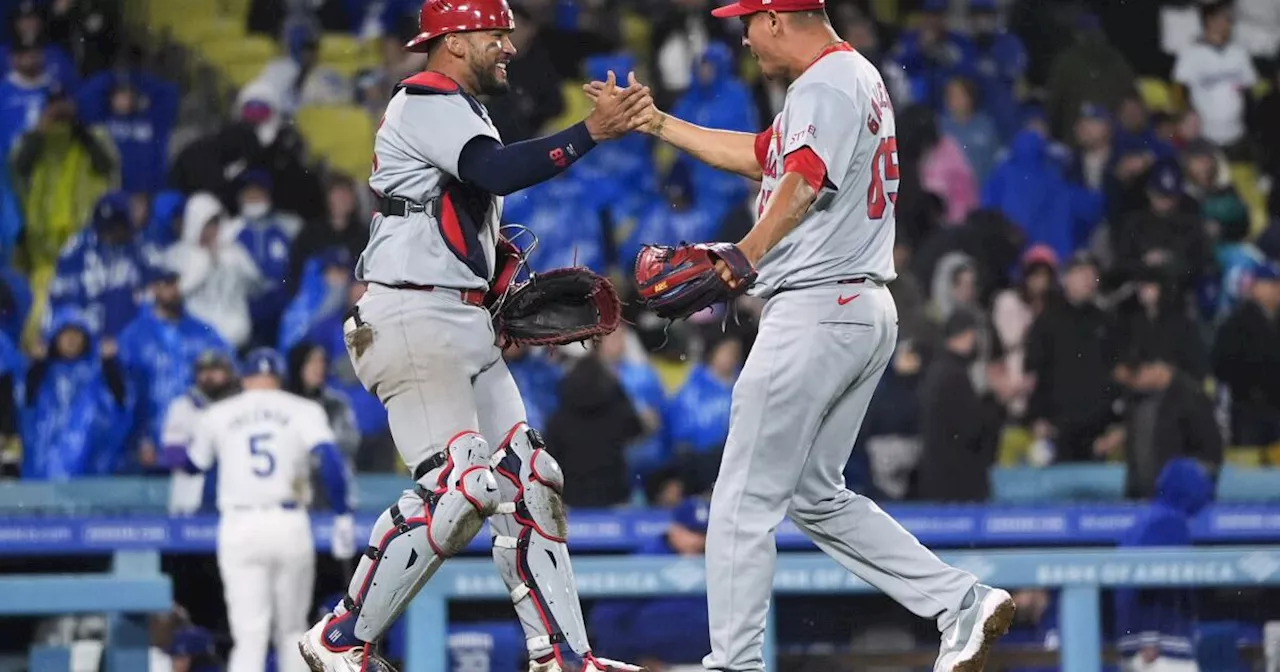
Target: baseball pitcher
x=424, y=340
x=821, y=252
x=264, y=441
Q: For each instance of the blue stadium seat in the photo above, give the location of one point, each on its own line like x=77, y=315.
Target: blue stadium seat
x=1059, y=483
x=1259, y=484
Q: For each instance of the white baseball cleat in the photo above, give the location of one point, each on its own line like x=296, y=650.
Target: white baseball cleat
x=968, y=641
x=589, y=664
x=323, y=659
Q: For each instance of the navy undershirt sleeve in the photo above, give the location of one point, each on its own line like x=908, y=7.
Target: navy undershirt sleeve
x=505, y=169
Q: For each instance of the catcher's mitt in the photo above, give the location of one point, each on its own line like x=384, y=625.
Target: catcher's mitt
x=676, y=282
x=567, y=305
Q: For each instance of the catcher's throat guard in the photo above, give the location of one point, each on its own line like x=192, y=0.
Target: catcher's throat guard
x=676, y=282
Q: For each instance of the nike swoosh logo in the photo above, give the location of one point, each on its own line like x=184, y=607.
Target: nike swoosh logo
x=846, y=299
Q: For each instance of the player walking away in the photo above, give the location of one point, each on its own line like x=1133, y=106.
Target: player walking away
x=823, y=250
x=422, y=340
x=264, y=440
x=215, y=380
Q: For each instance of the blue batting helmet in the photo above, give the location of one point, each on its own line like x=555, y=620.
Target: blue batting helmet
x=263, y=361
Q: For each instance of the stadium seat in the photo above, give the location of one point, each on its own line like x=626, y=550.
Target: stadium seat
x=1063, y=482
x=348, y=150
x=1157, y=94
x=576, y=106
x=1258, y=484
x=346, y=54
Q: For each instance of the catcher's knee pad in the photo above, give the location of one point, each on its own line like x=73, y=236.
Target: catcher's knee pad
x=435, y=520
x=529, y=547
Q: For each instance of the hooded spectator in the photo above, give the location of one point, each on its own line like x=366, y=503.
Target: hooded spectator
x=1163, y=234
x=342, y=226
x=322, y=295
x=257, y=138
x=1246, y=359
x=1015, y=310
x=1091, y=70
x=102, y=270
x=61, y=167
x=970, y=127
x=299, y=75
x=1000, y=63
x=592, y=427
x=1071, y=352
x=680, y=35
x=29, y=26
x=716, y=98
x=217, y=275
x=663, y=631
x=75, y=406
x=536, y=95
x=1028, y=187
x=958, y=433
x=1156, y=628
x=139, y=112
x=698, y=415
x=164, y=219
x=1208, y=182
x=158, y=349
x=309, y=377
x=933, y=55
x=987, y=237
x=267, y=235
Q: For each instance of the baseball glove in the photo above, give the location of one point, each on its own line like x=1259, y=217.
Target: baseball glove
x=676, y=282
x=567, y=305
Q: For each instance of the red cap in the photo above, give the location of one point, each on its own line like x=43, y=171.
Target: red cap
x=745, y=7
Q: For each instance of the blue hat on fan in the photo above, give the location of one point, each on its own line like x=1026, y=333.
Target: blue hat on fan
x=111, y=211
x=1166, y=179
x=263, y=362
x=692, y=514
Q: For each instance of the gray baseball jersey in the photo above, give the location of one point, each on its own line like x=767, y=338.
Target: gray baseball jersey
x=416, y=150
x=839, y=108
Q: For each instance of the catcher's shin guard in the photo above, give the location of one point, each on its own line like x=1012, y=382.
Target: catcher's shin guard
x=529, y=548
x=455, y=492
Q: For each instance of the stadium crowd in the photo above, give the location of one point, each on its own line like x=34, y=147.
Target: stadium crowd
x=1085, y=249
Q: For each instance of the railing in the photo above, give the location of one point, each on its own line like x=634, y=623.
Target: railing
x=1079, y=574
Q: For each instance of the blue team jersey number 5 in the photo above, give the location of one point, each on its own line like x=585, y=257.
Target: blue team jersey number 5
x=264, y=460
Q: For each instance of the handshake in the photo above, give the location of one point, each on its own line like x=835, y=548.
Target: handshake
x=620, y=110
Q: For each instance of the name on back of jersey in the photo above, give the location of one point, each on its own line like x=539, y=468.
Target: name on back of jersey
x=258, y=416
x=879, y=104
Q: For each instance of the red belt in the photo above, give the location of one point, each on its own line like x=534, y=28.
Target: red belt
x=474, y=297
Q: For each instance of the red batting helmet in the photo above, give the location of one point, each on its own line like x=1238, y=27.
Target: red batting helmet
x=439, y=17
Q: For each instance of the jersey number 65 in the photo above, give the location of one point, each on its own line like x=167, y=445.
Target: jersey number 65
x=884, y=168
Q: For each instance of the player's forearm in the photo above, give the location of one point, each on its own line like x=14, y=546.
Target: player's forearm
x=505, y=169
x=726, y=150
x=788, y=205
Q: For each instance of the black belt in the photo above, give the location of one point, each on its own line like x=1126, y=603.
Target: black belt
x=394, y=206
